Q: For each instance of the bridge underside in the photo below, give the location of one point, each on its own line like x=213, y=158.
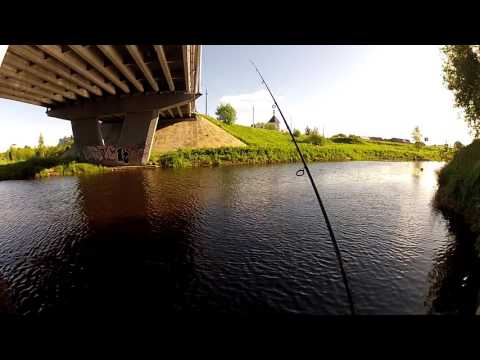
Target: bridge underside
x=114, y=95
x=120, y=131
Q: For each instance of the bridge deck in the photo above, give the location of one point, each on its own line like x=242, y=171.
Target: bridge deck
x=57, y=76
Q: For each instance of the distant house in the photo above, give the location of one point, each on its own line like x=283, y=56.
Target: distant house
x=374, y=138
x=274, y=121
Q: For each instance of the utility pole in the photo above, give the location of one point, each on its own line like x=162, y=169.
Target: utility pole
x=206, y=101
x=253, y=115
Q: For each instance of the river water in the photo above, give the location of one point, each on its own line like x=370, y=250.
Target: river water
x=234, y=240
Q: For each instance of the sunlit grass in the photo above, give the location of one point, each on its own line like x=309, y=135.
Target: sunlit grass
x=459, y=184
x=270, y=146
x=29, y=163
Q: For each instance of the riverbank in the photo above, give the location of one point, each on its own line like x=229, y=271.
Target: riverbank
x=270, y=146
x=38, y=167
x=259, y=146
x=459, y=187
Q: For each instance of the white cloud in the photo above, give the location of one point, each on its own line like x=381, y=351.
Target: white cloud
x=387, y=94
x=243, y=104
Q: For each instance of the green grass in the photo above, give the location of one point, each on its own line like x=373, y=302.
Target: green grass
x=254, y=136
x=41, y=167
x=270, y=146
x=72, y=168
x=459, y=185
x=30, y=163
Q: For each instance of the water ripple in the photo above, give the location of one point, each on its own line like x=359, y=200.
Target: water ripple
x=243, y=239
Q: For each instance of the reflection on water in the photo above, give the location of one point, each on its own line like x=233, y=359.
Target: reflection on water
x=455, y=274
x=242, y=240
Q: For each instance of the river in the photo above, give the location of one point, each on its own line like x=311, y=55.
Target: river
x=232, y=240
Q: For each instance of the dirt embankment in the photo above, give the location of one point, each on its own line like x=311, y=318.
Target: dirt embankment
x=191, y=134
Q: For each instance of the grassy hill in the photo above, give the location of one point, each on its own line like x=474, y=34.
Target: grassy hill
x=270, y=146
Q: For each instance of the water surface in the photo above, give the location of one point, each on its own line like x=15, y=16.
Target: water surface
x=233, y=240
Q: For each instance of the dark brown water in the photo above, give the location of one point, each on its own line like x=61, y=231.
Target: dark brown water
x=236, y=240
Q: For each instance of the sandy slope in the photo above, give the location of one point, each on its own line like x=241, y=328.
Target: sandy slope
x=192, y=134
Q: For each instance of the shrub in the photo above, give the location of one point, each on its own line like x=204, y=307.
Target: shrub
x=296, y=133
x=270, y=126
x=315, y=139
x=259, y=125
x=352, y=139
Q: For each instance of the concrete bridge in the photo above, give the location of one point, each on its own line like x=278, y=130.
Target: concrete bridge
x=114, y=95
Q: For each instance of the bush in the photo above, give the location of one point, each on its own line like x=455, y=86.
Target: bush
x=352, y=139
x=315, y=139
x=296, y=133
x=270, y=126
x=258, y=125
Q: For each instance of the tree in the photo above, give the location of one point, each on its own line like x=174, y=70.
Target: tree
x=41, y=143
x=226, y=113
x=66, y=140
x=417, y=136
x=307, y=131
x=41, y=146
x=461, y=73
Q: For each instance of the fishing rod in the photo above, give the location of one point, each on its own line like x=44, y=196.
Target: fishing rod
x=327, y=221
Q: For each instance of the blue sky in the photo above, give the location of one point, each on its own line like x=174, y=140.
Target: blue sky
x=364, y=90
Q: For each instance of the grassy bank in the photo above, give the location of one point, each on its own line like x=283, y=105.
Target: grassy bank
x=270, y=146
x=42, y=161
x=263, y=147
x=459, y=186
x=43, y=167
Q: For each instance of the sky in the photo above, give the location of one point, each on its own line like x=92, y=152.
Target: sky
x=380, y=91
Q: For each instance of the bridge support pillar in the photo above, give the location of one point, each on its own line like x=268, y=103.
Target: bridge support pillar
x=139, y=130
x=86, y=132
x=126, y=143
x=118, y=130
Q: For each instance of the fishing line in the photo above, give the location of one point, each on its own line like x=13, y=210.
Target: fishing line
x=301, y=172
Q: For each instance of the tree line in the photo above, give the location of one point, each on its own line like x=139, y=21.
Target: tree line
x=15, y=153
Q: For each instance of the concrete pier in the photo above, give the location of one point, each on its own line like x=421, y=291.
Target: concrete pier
x=120, y=130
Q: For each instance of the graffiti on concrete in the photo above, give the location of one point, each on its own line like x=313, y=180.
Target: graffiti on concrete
x=113, y=154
